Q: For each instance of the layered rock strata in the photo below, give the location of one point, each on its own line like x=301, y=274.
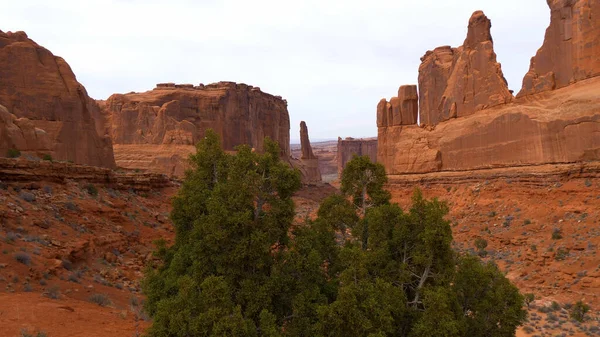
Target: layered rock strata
x=157, y=130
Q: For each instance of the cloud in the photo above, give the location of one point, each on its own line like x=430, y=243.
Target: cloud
x=332, y=60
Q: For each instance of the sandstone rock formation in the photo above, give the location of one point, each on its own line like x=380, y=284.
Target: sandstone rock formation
x=309, y=162
x=21, y=134
x=43, y=99
x=157, y=130
x=560, y=126
x=456, y=82
x=571, y=49
x=557, y=127
x=400, y=110
x=349, y=147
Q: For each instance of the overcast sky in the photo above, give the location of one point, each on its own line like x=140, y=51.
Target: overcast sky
x=332, y=60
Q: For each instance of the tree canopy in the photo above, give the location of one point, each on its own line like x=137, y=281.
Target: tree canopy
x=362, y=267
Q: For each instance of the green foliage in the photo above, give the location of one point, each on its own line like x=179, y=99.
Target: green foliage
x=363, y=267
x=529, y=298
x=557, y=234
x=91, y=190
x=363, y=181
x=579, y=310
x=231, y=270
x=13, y=153
x=47, y=157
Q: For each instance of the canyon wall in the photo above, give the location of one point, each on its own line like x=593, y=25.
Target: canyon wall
x=43, y=109
x=571, y=48
x=157, y=130
x=469, y=119
x=349, y=147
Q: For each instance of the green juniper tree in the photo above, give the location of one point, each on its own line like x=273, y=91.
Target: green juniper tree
x=238, y=267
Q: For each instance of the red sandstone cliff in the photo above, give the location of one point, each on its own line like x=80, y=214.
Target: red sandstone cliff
x=571, y=49
x=560, y=126
x=457, y=82
x=46, y=111
x=158, y=129
x=349, y=147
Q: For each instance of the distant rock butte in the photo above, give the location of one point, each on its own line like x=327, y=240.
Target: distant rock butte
x=309, y=163
x=571, y=49
x=44, y=109
x=349, y=147
x=157, y=130
x=457, y=82
x=491, y=129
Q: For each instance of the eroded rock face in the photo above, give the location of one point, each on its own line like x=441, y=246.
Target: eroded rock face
x=52, y=109
x=525, y=132
x=172, y=118
x=571, y=48
x=349, y=147
x=400, y=110
x=309, y=163
x=456, y=82
x=21, y=134
x=495, y=130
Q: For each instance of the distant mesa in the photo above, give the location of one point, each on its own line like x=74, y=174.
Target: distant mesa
x=158, y=129
x=349, y=147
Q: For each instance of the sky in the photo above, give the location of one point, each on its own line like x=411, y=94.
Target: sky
x=332, y=60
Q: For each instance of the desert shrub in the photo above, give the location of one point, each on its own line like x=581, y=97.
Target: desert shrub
x=27, y=196
x=555, y=306
x=11, y=237
x=100, y=299
x=529, y=298
x=53, y=292
x=579, y=311
x=557, y=234
x=13, y=153
x=47, y=157
x=561, y=254
x=23, y=258
x=47, y=189
x=67, y=264
x=26, y=333
x=526, y=222
x=91, y=190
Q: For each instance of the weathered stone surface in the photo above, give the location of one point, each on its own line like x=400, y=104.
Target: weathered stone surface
x=309, y=163
x=176, y=116
x=557, y=127
x=400, y=110
x=571, y=48
x=457, y=82
x=349, y=147
x=61, y=172
x=21, y=134
x=51, y=108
